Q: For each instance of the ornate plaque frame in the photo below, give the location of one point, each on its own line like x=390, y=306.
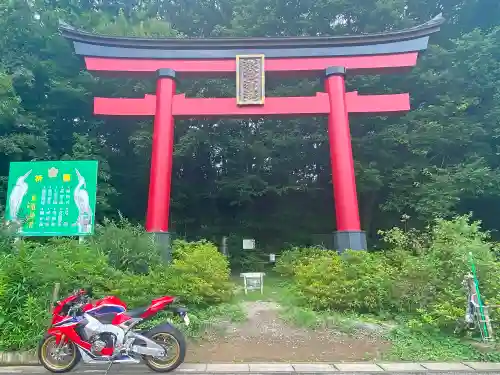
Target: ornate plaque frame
x=250, y=80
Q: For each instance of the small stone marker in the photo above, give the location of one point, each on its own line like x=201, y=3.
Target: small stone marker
x=253, y=281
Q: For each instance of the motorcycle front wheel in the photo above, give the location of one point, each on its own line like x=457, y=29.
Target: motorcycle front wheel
x=175, y=346
x=57, y=358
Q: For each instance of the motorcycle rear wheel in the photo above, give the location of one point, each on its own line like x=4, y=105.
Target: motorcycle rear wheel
x=47, y=356
x=160, y=335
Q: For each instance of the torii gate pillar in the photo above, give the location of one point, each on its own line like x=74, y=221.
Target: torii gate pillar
x=349, y=234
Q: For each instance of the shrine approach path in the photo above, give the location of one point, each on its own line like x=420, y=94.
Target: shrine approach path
x=266, y=337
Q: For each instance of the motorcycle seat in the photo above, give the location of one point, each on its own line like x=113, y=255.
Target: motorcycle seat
x=136, y=313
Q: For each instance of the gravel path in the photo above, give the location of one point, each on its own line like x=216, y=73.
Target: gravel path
x=265, y=337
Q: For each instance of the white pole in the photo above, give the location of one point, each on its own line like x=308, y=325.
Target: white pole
x=224, y=245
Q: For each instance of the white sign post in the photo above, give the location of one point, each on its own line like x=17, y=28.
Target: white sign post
x=253, y=281
x=249, y=244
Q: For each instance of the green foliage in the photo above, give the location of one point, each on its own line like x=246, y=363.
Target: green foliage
x=265, y=177
x=242, y=260
x=128, y=247
x=422, y=345
x=249, y=261
x=208, y=319
x=358, y=281
x=199, y=274
x=321, y=320
x=289, y=259
x=22, y=310
x=430, y=283
x=28, y=275
x=420, y=275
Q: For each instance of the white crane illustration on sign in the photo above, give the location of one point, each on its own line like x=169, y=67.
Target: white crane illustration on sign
x=16, y=196
x=82, y=201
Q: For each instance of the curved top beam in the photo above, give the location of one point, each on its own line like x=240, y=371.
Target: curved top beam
x=425, y=29
x=407, y=40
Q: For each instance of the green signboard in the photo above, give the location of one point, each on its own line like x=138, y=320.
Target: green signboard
x=52, y=198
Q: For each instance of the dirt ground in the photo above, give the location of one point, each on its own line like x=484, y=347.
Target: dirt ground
x=265, y=337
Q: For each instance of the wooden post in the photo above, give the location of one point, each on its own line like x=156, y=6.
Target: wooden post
x=55, y=295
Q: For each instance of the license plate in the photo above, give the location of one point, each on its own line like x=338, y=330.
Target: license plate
x=186, y=319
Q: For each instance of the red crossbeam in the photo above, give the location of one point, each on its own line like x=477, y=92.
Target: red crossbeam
x=226, y=107
x=292, y=66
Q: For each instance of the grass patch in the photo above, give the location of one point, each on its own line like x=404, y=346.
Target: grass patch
x=203, y=321
x=279, y=289
x=213, y=319
x=348, y=323
x=275, y=289
x=406, y=344
x=412, y=345
x=307, y=318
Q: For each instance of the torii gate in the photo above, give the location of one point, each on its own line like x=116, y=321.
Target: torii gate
x=250, y=60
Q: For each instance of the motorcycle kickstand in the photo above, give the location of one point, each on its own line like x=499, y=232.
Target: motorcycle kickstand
x=109, y=367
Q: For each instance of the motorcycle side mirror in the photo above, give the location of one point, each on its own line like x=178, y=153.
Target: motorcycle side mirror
x=89, y=292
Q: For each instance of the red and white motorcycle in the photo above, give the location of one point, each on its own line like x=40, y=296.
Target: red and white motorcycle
x=104, y=331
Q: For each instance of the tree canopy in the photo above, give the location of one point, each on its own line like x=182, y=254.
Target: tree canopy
x=270, y=179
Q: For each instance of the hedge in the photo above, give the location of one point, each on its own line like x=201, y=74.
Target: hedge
x=120, y=260
x=418, y=276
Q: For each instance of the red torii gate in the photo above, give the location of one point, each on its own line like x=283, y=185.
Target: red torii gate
x=250, y=59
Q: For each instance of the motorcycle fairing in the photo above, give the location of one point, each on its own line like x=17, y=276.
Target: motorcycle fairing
x=66, y=328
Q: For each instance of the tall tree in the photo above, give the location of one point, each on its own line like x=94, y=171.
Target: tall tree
x=266, y=178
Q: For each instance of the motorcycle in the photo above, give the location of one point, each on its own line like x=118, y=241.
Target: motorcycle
x=104, y=331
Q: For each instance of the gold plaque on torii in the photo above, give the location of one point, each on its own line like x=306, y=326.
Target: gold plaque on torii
x=250, y=80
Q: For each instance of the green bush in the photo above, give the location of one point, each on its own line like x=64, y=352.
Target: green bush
x=354, y=281
x=128, y=247
x=23, y=310
x=430, y=284
x=198, y=274
x=241, y=260
x=289, y=259
x=27, y=277
x=28, y=272
x=419, y=275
